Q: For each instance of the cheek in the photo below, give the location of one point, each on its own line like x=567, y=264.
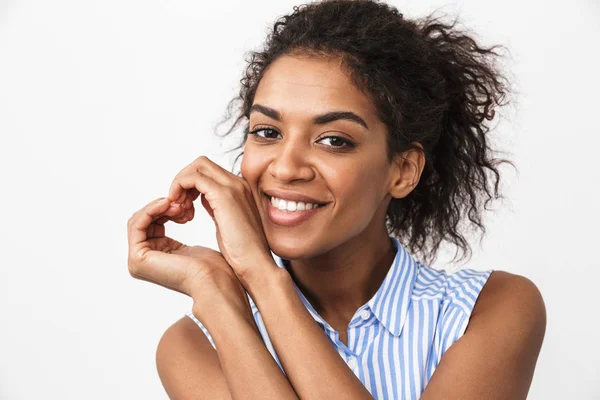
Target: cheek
x=359, y=189
x=251, y=167
x=353, y=176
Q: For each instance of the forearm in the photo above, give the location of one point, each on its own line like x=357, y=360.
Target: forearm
x=311, y=363
x=249, y=368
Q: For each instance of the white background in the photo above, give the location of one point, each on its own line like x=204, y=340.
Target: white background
x=103, y=102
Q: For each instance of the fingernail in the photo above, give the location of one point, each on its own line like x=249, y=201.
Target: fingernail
x=175, y=204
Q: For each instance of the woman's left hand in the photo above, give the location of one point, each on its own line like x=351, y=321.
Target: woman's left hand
x=229, y=201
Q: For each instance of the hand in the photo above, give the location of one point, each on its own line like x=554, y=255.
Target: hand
x=229, y=201
x=197, y=271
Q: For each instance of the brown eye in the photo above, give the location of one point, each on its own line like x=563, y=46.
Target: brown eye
x=338, y=142
x=266, y=133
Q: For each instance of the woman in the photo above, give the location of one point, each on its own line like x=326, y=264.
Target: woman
x=364, y=139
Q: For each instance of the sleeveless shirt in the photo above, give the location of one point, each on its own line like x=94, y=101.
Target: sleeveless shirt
x=396, y=339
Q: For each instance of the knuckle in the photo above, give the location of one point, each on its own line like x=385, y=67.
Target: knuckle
x=202, y=159
x=131, y=220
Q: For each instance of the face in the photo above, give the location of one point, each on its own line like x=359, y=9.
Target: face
x=314, y=134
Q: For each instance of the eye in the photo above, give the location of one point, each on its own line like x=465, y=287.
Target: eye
x=338, y=142
x=335, y=142
x=264, y=133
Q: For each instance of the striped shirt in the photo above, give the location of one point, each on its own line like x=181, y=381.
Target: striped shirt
x=396, y=339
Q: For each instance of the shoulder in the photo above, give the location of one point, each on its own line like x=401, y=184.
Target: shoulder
x=462, y=284
x=511, y=301
x=181, y=340
x=496, y=356
x=183, y=354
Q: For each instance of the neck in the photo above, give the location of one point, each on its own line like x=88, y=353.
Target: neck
x=340, y=281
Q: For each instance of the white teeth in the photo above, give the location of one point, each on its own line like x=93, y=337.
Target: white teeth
x=287, y=205
x=282, y=205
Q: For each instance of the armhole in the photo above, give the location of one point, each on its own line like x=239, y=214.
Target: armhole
x=464, y=289
x=208, y=336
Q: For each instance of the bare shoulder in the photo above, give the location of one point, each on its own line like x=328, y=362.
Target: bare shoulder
x=188, y=365
x=496, y=356
x=512, y=300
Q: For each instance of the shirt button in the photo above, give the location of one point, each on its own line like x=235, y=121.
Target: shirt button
x=352, y=362
x=365, y=314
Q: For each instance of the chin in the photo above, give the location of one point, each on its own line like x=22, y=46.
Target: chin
x=291, y=248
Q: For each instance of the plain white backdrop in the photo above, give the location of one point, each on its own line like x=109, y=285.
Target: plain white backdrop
x=103, y=102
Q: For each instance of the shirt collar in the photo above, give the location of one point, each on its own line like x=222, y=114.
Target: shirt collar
x=391, y=301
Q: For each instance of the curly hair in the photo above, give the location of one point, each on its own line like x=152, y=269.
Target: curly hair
x=431, y=83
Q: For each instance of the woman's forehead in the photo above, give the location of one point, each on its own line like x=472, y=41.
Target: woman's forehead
x=312, y=85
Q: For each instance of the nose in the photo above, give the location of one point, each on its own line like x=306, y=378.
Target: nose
x=291, y=162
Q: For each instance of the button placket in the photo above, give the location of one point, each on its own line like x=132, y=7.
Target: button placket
x=352, y=363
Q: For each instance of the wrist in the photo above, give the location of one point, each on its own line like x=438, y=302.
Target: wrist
x=222, y=312
x=226, y=319
x=263, y=271
x=273, y=285
x=218, y=293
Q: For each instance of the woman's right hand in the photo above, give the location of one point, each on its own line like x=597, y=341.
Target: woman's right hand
x=197, y=271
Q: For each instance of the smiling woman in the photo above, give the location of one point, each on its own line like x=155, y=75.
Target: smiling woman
x=364, y=149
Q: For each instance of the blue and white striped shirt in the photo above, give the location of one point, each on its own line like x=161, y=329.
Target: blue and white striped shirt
x=396, y=339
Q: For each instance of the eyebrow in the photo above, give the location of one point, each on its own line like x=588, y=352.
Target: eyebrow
x=319, y=119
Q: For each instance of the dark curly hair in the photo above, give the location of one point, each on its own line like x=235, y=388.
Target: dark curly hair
x=430, y=82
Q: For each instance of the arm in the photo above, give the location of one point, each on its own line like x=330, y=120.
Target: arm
x=188, y=366
x=241, y=368
x=311, y=363
x=248, y=367
x=191, y=369
x=495, y=358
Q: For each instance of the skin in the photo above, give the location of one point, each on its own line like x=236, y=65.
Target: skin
x=340, y=257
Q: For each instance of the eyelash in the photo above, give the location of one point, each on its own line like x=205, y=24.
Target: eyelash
x=347, y=143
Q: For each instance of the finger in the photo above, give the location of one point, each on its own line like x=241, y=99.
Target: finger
x=183, y=217
x=206, y=167
x=155, y=231
x=162, y=220
x=222, y=176
x=140, y=221
x=207, y=207
x=177, y=194
x=199, y=182
x=160, y=202
x=157, y=228
x=190, y=213
x=177, y=213
x=215, y=171
x=192, y=195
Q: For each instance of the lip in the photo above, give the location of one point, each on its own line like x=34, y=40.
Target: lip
x=293, y=196
x=289, y=218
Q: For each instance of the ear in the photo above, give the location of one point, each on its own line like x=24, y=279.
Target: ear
x=408, y=167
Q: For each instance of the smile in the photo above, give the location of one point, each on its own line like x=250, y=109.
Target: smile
x=290, y=213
